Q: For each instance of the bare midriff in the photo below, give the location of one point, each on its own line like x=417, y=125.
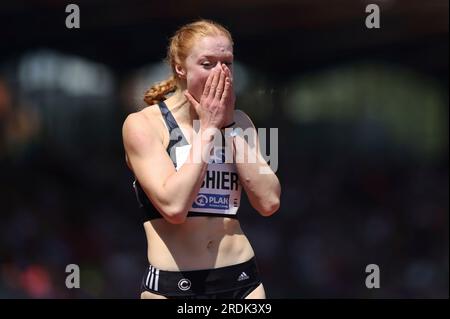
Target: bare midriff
x=198, y=243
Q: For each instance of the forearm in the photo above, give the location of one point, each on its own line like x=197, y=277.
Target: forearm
x=259, y=181
x=181, y=187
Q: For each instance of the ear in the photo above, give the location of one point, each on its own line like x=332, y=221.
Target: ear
x=181, y=72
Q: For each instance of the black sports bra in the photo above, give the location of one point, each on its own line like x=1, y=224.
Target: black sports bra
x=220, y=192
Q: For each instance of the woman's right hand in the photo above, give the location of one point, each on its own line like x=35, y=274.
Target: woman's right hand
x=214, y=106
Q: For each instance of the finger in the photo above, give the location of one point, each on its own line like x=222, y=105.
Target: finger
x=220, y=86
x=208, y=84
x=228, y=73
x=226, y=91
x=214, y=82
x=230, y=78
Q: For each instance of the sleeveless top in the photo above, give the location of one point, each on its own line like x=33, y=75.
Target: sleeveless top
x=220, y=192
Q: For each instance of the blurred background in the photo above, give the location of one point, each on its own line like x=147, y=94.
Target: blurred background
x=362, y=118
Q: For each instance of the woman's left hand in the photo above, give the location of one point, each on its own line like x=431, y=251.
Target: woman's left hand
x=228, y=96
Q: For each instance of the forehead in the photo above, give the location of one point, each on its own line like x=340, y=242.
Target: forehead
x=217, y=46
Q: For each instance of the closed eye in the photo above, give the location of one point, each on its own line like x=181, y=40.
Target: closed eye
x=209, y=65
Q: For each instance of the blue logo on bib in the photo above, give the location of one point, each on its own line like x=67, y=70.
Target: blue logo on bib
x=212, y=201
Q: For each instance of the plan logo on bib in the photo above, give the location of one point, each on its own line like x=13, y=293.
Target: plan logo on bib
x=212, y=201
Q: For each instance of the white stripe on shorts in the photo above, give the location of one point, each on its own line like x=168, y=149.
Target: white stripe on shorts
x=148, y=276
x=151, y=278
x=156, y=279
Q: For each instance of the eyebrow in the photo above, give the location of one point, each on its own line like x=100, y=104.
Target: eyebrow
x=209, y=56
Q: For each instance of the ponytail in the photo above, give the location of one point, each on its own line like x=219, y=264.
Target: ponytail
x=158, y=92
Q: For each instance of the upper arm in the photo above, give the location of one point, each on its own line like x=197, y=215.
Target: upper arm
x=244, y=122
x=262, y=189
x=147, y=157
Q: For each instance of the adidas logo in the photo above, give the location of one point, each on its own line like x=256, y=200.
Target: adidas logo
x=243, y=276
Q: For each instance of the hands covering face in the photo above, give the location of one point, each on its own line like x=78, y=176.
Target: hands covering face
x=216, y=105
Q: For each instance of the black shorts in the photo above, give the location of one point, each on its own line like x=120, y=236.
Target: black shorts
x=231, y=282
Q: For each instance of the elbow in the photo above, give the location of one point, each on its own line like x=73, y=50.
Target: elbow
x=177, y=219
x=270, y=207
x=175, y=215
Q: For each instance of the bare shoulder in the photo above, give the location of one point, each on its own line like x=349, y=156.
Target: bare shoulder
x=243, y=120
x=141, y=127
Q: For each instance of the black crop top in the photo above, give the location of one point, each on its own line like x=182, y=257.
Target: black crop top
x=220, y=192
